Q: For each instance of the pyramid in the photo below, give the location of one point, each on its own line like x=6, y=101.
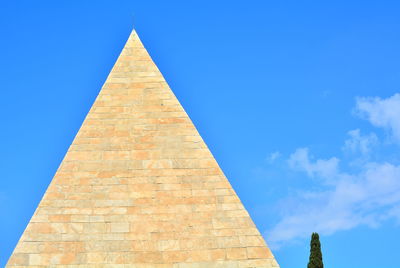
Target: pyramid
x=138, y=187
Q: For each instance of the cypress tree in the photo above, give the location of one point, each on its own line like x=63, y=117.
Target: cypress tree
x=315, y=252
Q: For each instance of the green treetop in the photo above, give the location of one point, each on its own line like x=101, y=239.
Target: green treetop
x=315, y=252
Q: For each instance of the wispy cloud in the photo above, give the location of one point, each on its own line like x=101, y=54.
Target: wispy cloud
x=365, y=198
x=357, y=143
x=273, y=156
x=341, y=199
x=384, y=113
x=324, y=168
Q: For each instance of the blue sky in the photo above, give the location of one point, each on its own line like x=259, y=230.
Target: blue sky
x=296, y=100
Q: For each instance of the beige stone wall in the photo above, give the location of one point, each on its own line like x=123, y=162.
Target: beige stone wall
x=139, y=188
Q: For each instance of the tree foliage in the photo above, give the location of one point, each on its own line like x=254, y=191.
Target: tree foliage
x=315, y=260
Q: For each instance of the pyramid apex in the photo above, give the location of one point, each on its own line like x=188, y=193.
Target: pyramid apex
x=133, y=40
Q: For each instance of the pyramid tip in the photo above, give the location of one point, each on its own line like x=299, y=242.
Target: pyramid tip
x=133, y=33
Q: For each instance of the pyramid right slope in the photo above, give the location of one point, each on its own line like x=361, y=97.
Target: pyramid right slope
x=138, y=187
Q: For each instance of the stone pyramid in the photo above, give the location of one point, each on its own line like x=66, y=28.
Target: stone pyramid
x=138, y=187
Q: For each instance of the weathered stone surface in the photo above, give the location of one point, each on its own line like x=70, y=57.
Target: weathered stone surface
x=138, y=187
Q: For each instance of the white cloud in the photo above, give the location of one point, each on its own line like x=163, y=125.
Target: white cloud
x=366, y=198
x=344, y=199
x=383, y=113
x=300, y=160
x=273, y=156
x=360, y=143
